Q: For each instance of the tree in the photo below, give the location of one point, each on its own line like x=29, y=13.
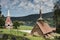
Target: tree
x=16, y=24
x=57, y=16
x=2, y=22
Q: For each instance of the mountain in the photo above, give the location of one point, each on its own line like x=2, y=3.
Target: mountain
x=33, y=17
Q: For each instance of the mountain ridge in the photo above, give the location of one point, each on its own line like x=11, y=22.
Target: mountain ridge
x=33, y=17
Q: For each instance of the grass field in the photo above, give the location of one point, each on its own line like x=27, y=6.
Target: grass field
x=25, y=27
x=21, y=35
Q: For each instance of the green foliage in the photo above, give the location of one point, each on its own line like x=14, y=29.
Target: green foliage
x=57, y=17
x=22, y=35
x=2, y=22
x=16, y=24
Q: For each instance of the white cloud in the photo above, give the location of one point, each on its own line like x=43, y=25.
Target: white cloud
x=27, y=5
x=37, y=1
x=15, y=2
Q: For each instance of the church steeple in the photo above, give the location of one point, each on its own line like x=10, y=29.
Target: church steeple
x=8, y=13
x=40, y=16
x=40, y=13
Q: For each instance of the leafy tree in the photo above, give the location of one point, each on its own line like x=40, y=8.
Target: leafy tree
x=2, y=22
x=57, y=16
x=16, y=24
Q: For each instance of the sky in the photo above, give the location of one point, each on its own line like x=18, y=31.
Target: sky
x=20, y=8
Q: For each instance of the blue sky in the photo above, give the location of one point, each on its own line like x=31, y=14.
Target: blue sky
x=26, y=7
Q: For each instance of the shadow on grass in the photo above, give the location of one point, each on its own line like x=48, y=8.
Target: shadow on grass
x=12, y=37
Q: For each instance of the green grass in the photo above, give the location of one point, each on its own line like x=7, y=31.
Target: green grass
x=25, y=27
x=12, y=31
x=35, y=38
x=19, y=34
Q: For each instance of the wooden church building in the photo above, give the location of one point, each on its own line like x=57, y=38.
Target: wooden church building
x=8, y=22
x=43, y=28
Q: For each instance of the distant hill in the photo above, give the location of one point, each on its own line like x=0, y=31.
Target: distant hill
x=33, y=17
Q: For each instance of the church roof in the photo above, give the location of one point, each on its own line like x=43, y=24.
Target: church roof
x=45, y=28
x=8, y=20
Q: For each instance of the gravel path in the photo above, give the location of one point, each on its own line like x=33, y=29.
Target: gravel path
x=28, y=31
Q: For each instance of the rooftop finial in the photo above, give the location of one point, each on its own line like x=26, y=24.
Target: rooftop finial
x=40, y=13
